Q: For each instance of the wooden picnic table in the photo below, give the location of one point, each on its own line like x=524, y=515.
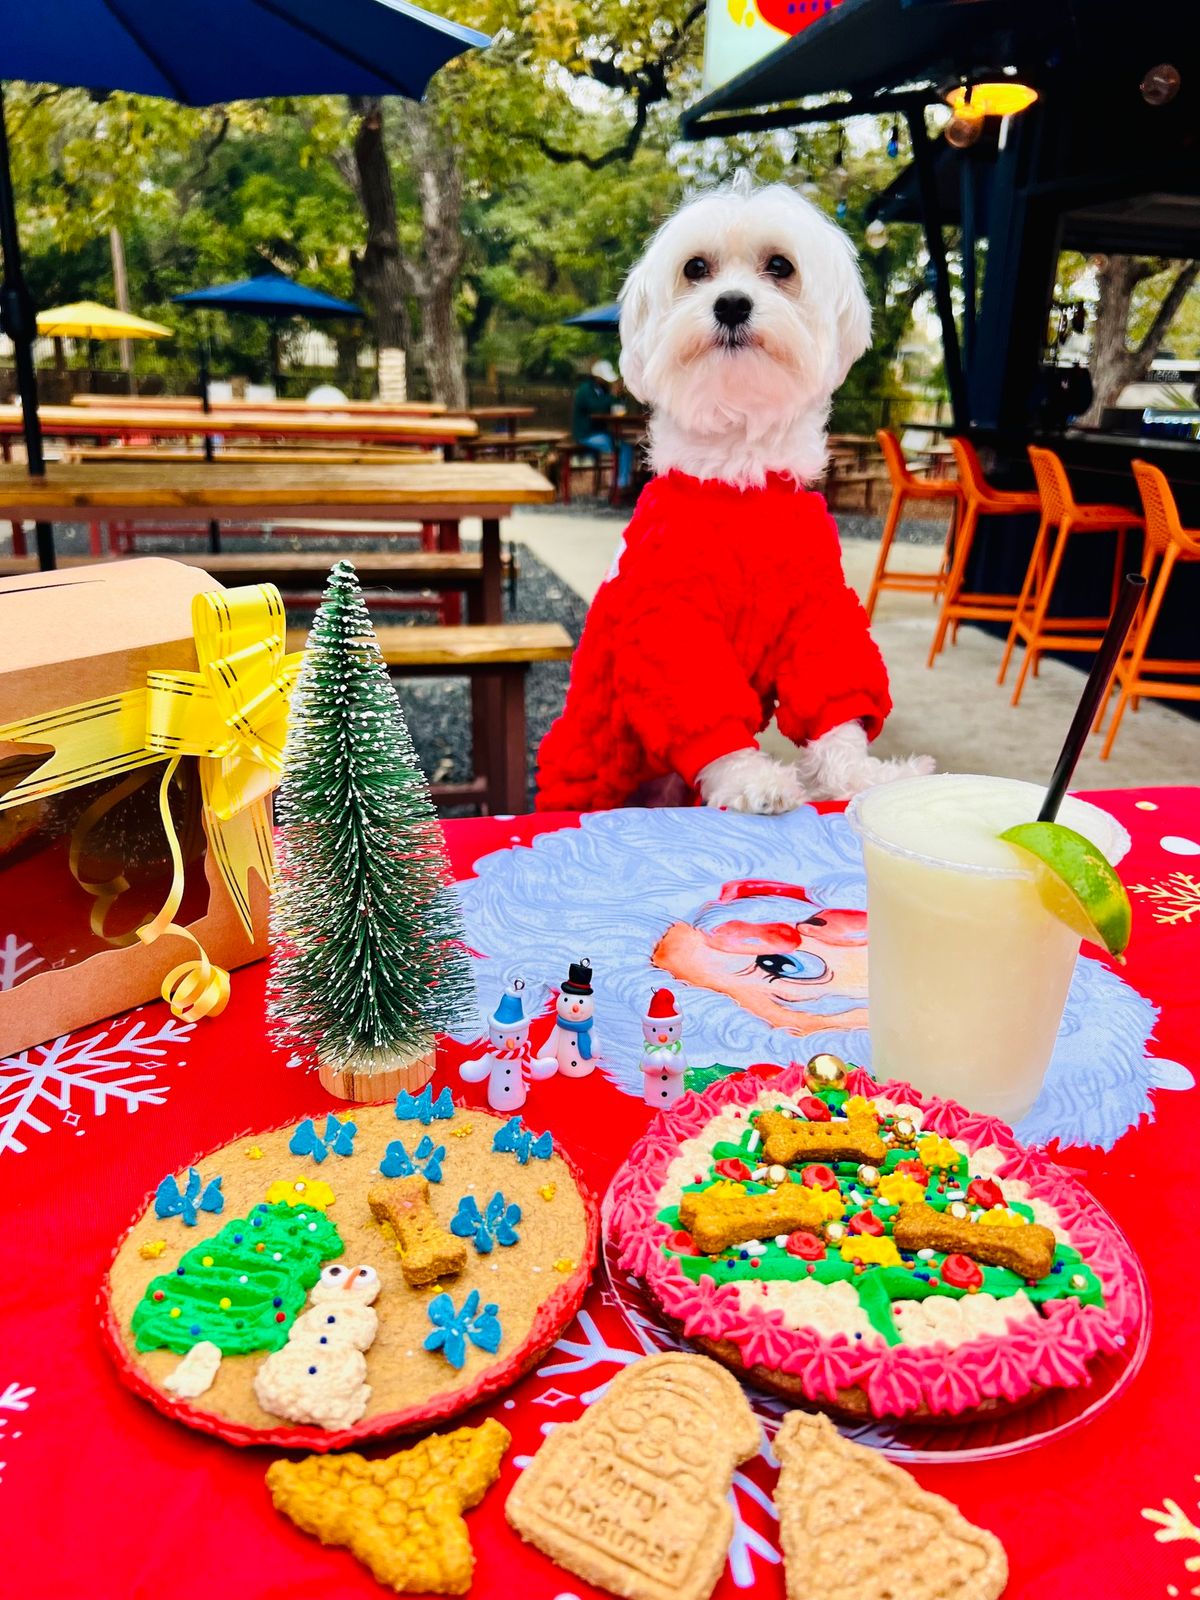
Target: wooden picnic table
x=347, y=455
x=121, y=421
x=192, y=402
x=438, y=493
x=506, y=416
x=506, y=445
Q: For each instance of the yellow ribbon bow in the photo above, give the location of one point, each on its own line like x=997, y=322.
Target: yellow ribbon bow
x=231, y=714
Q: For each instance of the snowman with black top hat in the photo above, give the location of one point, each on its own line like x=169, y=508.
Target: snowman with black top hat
x=573, y=1043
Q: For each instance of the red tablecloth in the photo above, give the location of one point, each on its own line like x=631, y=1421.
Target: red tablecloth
x=101, y=1496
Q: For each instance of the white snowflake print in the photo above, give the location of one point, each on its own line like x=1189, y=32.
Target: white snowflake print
x=12, y=1399
x=18, y=959
x=115, y=1066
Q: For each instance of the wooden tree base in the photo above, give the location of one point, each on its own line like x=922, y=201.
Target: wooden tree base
x=378, y=1075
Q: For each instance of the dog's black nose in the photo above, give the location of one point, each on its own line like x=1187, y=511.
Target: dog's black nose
x=731, y=310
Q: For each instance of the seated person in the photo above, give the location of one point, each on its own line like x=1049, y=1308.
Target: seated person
x=596, y=394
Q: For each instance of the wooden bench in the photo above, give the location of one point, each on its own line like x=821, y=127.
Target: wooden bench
x=331, y=455
x=495, y=659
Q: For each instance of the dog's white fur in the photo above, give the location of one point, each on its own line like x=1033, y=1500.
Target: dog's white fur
x=737, y=406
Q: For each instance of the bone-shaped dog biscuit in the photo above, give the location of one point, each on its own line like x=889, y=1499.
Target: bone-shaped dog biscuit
x=1027, y=1251
x=427, y=1252
x=788, y=1140
x=725, y=1214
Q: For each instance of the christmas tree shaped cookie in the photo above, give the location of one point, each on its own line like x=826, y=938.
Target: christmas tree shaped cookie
x=855, y=1527
x=400, y=1515
x=241, y=1289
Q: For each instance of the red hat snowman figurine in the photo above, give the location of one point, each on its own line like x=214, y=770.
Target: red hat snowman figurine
x=510, y=1055
x=573, y=1042
x=663, y=1061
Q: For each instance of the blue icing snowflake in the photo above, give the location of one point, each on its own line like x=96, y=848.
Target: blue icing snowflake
x=495, y=1225
x=423, y=1108
x=171, y=1201
x=338, y=1137
x=516, y=1139
x=623, y=879
x=452, y=1328
x=426, y=1159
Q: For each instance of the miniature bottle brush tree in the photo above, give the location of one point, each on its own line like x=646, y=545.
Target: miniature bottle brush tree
x=368, y=961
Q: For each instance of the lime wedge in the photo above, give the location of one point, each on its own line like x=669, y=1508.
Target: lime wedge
x=1077, y=884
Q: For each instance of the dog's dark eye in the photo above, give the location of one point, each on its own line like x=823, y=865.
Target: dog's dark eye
x=695, y=269
x=779, y=267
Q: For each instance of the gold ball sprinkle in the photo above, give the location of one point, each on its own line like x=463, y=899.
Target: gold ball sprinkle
x=868, y=1176
x=957, y=1209
x=834, y=1232
x=1077, y=1281
x=825, y=1072
x=905, y=1130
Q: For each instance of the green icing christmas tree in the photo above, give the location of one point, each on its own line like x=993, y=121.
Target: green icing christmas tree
x=368, y=961
x=241, y=1289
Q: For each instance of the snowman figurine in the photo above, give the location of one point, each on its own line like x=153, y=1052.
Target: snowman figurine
x=509, y=1055
x=573, y=1042
x=663, y=1062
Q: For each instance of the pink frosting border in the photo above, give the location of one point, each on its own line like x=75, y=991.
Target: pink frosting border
x=1051, y=1352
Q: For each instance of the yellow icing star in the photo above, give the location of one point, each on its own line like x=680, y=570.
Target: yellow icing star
x=828, y=1202
x=564, y=1265
x=301, y=1192
x=547, y=1191
x=937, y=1152
x=871, y=1249
x=254, y=1153
x=898, y=1189
x=857, y=1105
x=152, y=1249
x=999, y=1217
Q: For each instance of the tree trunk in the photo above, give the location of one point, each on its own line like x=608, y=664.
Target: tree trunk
x=1115, y=363
x=433, y=280
x=379, y=271
x=443, y=347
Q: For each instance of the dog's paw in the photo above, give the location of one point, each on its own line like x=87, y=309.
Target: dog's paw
x=900, y=767
x=750, y=781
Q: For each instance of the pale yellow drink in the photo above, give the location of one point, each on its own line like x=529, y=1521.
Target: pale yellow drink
x=968, y=970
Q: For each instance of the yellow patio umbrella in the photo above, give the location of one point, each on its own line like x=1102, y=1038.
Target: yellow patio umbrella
x=87, y=319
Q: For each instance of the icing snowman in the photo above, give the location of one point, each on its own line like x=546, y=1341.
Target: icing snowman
x=320, y=1375
x=573, y=1042
x=509, y=1054
x=663, y=1062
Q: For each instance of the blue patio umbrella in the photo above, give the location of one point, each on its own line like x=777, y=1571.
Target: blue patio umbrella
x=600, y=319
x=268, y=295
x=200, y=52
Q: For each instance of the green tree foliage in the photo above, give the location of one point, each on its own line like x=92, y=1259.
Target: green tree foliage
x=365, y=924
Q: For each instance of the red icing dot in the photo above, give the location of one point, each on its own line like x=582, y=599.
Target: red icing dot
x=818, y=1176
x=960, y=1272
x=985, y=1193
x=755, y=1262
x=865, y=1222
x=912, y=1169
x=806, y=1245
x=681, y=1243
x=158, y=1294
x=280, y=1317
x=815, y=1110
x=732, y=1168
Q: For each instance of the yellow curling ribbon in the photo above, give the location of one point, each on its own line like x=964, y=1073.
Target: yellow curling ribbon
x=231, y=715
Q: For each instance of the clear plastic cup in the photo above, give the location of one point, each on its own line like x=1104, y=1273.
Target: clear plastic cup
x=968, y=971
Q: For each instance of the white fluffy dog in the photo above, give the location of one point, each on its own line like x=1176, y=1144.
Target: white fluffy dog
x=737, y=325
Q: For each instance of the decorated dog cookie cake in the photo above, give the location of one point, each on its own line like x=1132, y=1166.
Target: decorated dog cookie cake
x=344, y=1278
x=855, y=1246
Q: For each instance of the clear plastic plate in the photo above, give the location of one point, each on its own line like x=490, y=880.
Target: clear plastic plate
x=1050, y=1416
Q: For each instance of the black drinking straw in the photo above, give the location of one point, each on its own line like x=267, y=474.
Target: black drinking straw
x=1093, y=692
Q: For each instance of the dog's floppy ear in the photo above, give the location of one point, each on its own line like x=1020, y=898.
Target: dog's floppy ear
x=853, y=316
x=635, y=311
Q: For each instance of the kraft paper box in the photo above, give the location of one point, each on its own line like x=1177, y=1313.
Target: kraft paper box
x=82, y=867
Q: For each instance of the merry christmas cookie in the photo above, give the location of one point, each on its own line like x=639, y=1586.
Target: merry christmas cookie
x=401, y=1515
x=850, y=1245
x=634, y=1496
x=906, y=1541
x=283, y=1290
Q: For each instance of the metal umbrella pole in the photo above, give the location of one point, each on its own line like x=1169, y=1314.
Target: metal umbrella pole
x=19, y=322
x=214, y=527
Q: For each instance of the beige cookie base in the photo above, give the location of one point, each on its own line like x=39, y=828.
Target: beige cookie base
x=852, y=1404
x=410, y=1387
x=368, y=1081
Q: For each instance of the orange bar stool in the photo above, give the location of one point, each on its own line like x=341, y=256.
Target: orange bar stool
x=979, y=499
x=907, y=486
x=1064, y=517
x=1167, y=543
